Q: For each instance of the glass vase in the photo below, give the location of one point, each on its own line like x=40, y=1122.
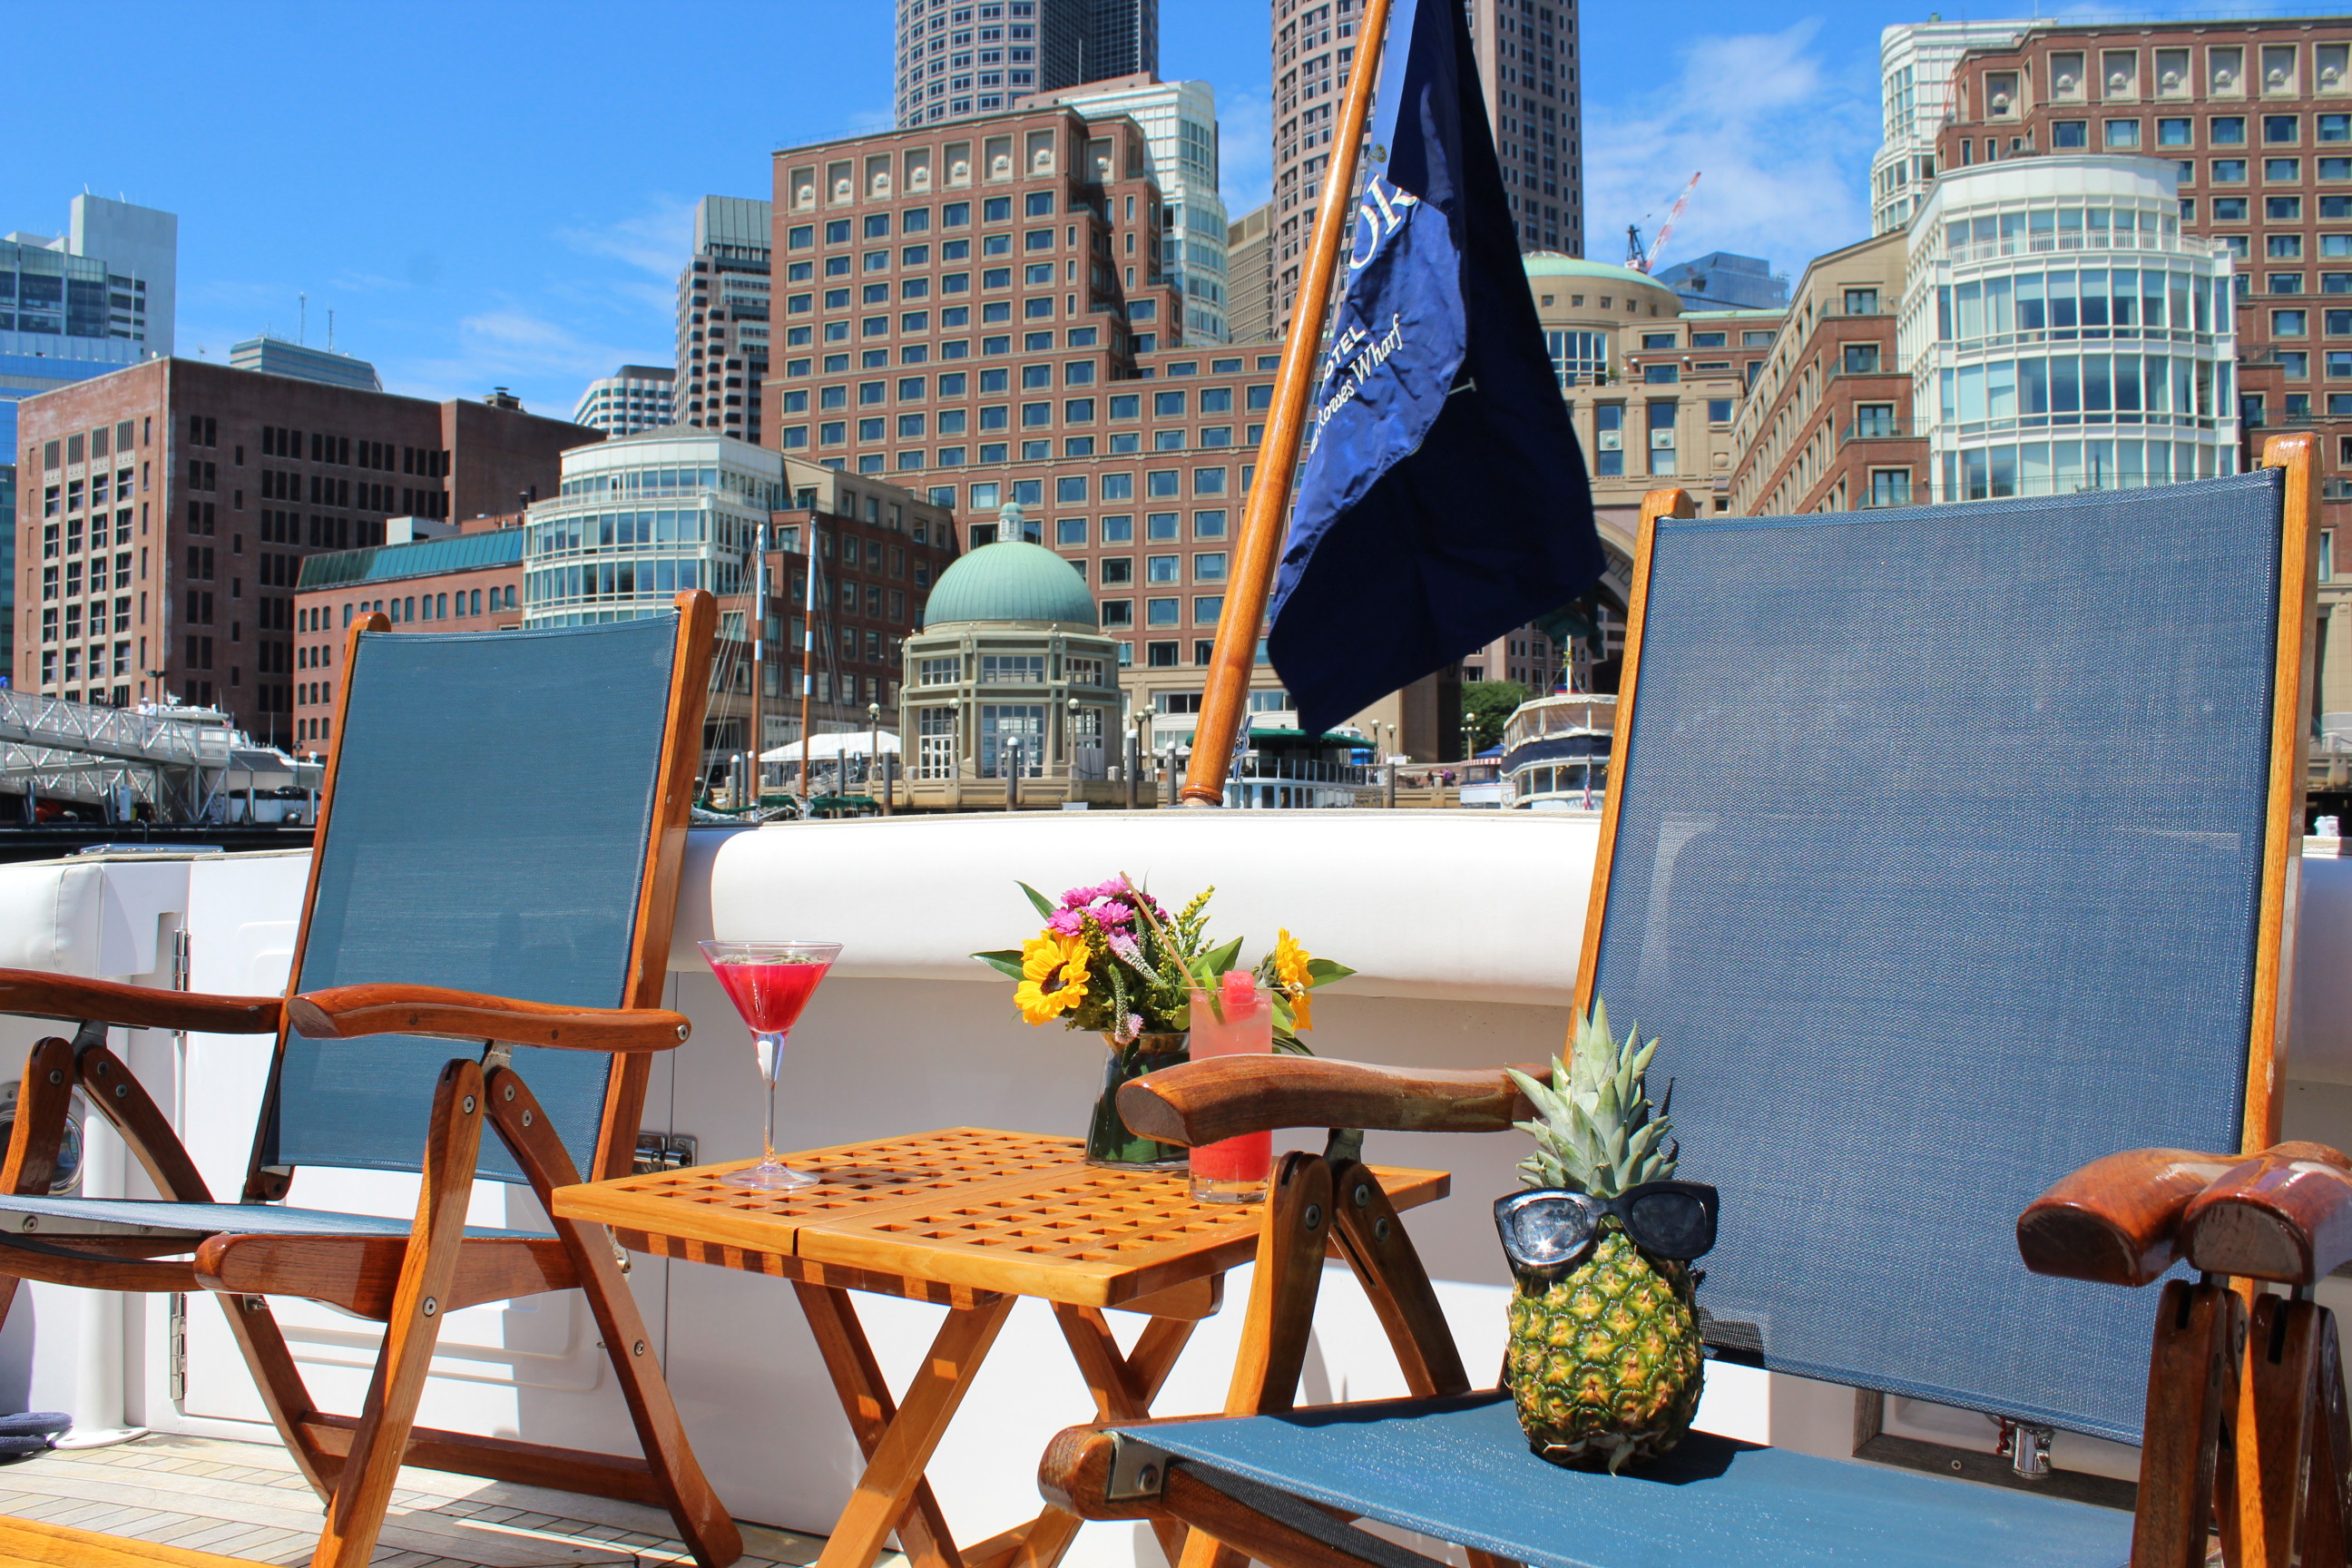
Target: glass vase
x=1108, y=1141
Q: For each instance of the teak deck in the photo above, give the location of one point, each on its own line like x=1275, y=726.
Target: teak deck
x=966, y=1208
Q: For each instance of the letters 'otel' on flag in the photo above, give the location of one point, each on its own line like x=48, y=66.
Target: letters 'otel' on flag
x=1444, y=500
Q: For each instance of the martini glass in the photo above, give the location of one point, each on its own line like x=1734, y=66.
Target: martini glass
x=770, y=982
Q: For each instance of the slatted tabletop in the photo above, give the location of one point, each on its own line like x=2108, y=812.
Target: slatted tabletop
x=966, y=1208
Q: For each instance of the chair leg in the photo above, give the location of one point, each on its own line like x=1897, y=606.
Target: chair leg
x=1374, y=1242
x=702, y=1519
x=43, y=1098
x=2192, y=1392
x=1291, y=1246
x=283, y=1393
x=364, y=1491
x=2327, y=1500
x=2277, y=1406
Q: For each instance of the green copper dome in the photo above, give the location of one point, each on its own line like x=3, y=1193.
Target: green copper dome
x=1010, y=581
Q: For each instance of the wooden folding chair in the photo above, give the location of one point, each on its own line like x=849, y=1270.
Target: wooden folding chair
x=1946, y=852
x=453, y=895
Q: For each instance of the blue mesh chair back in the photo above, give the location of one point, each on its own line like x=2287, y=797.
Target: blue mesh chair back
x=494, y=799
x=1937, y=872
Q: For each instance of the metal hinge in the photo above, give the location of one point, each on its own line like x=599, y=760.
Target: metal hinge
x=1138, y=1470
x=179, y=1348
x=665, y=1152
x=2026, y=1445
x=180, y=959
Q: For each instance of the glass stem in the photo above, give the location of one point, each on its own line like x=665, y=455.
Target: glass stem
x=771, y=1056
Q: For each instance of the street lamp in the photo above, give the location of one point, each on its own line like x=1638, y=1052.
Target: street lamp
x=1134, y=759
x=1070, y=750
x=873, y=714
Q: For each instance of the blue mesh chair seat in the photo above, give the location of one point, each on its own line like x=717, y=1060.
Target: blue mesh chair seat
x=447, y=901
x=1947, y=852
x=1460, y=1470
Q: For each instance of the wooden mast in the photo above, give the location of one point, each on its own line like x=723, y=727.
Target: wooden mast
x=1224, y=702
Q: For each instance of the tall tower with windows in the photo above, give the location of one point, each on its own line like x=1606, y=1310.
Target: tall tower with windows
x=958, y=59
x=1528, y=73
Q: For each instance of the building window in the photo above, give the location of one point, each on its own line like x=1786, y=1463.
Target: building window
x=1609, y=431
x=2070, y=134
x=1662, y=438
x=1890, y=487
x=1861, y=359
x=2122, y=134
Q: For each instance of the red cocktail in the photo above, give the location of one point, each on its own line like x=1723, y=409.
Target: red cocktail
x=770, y=982
x=769, y=993
x=1235, y=1019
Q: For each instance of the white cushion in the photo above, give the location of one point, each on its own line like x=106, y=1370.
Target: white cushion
x=1441, y=905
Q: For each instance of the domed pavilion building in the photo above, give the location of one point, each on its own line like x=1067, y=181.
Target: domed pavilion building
x=1011, y=692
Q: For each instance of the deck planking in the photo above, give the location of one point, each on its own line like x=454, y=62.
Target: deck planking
x=248, y=1501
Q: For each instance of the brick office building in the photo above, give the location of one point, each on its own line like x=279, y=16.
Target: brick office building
x=1827, y=424
x=470, y=580
x=168, y=507
x=2257, y=116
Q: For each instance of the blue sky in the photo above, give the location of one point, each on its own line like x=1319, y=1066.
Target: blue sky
x=502, y=192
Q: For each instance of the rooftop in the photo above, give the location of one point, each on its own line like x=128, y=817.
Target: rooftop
x=422, y=558
x=1010, y=581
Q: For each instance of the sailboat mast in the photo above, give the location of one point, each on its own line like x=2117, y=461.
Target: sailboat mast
x=808, y=653
x=758, y=652
x=1226, y=698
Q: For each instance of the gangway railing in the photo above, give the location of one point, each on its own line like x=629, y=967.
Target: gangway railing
x=122, y=756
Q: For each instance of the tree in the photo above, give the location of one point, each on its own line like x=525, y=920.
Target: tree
x=1486, y=704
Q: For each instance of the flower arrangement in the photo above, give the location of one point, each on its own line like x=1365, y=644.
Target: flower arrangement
x=1113, y=962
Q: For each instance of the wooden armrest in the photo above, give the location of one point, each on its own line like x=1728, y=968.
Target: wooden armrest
x=1224, y=1097
x=2284, y=1214
x=37, y=994
x=2123, y=1219
x=348, y=1012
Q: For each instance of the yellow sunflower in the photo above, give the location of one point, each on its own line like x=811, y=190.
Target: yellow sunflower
x=1290, y=961
x=1053, y=976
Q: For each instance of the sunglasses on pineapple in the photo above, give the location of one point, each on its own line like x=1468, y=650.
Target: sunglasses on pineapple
x=1549, y=1229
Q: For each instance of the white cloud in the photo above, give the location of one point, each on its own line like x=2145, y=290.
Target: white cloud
x=655, y=240
x=546, y=362
x=1782, y=140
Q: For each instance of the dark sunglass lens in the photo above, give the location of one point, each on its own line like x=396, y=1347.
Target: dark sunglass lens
x=1549, y=1231
x=1671, y=1224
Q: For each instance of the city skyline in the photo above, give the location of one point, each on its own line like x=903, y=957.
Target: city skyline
x=568, y=265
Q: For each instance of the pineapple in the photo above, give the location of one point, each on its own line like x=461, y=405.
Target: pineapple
x=1604, y=1360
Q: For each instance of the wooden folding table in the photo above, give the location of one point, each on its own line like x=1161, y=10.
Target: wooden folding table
x=968, y=1219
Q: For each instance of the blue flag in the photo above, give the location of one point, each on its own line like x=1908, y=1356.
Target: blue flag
x=1444, y=500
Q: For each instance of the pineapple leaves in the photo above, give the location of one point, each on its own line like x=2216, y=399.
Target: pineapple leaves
x=1595, y=1129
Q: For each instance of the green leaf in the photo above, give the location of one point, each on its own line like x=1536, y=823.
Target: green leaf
x=1046, y=906
x=1006, y=962
x=1322, y=972
x=1219, y=959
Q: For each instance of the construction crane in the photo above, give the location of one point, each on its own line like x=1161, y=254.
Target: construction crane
x=1640, y=259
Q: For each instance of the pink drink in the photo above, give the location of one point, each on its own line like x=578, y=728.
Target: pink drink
x=770, y=982
x=1238, y=1020
x=769, y=993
